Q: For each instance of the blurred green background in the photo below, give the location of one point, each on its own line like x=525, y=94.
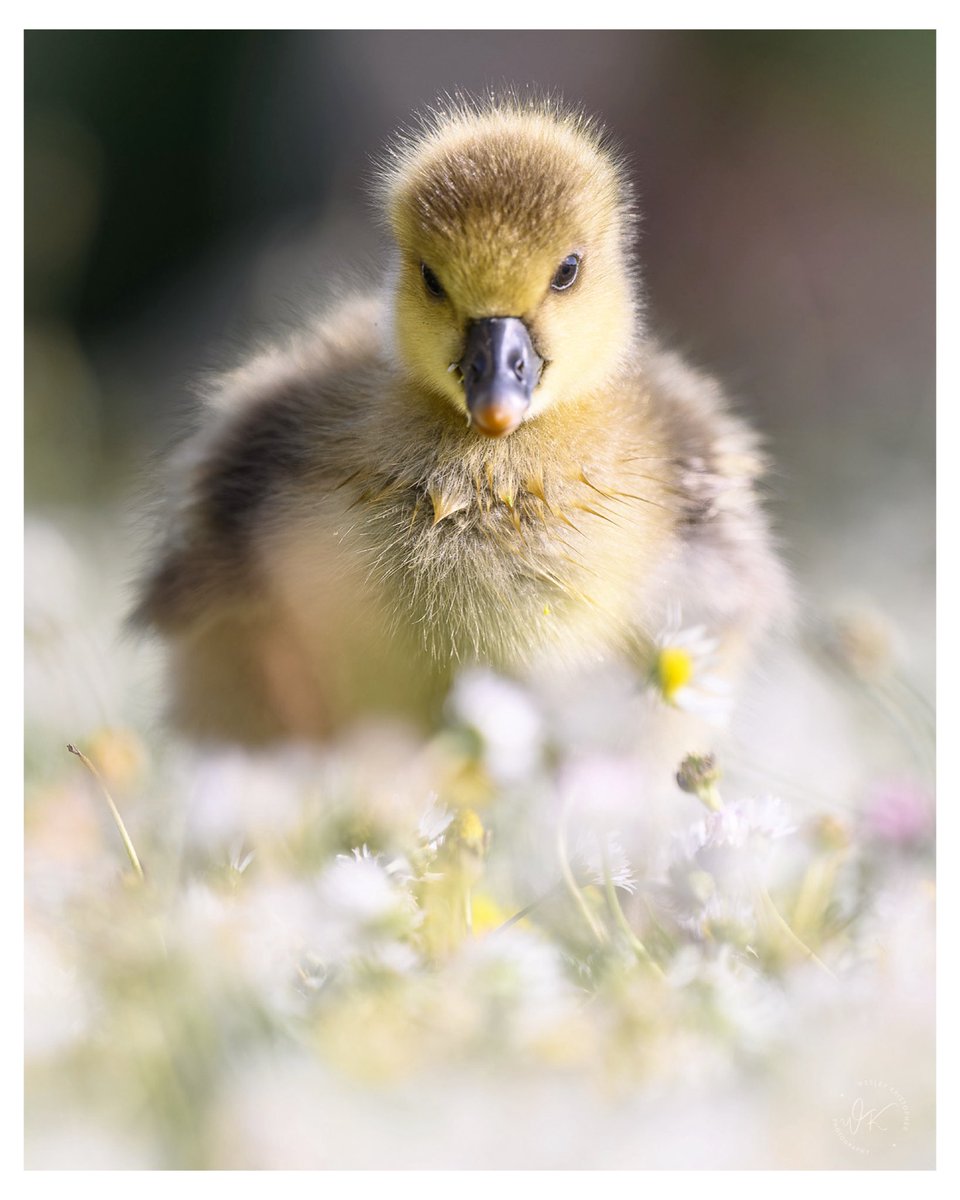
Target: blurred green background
x=188, y=192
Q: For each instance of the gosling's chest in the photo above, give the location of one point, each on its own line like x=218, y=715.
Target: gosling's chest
x=502, y=565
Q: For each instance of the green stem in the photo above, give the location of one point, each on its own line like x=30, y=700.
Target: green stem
x=114, y=811
x=527, y=909
x=613, y=902
x=782, y=924
x=709, y=795
x=595, y=927
x=815, y=893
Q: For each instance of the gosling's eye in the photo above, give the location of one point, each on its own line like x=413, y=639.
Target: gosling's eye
x=431, y=282
x=566, y=274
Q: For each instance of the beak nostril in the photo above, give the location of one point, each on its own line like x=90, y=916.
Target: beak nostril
x=499, y=370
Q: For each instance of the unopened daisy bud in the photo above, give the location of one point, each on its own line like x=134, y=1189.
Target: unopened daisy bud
x=831, y=832
x=698, y=775
x=120, y=756
x=863, y=642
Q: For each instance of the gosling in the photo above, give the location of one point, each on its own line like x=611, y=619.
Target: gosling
x=487, y=461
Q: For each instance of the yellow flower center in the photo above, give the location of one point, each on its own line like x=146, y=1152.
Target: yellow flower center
x=674, y=670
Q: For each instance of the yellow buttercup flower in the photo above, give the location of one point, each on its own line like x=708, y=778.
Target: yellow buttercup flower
x=487, y=914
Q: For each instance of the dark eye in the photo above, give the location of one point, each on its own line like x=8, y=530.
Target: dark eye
x=566, y=273
x=432, y=282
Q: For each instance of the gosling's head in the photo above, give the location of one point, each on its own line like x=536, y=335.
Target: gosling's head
x=514, y=283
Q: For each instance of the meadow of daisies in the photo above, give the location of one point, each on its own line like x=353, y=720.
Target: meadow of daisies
x=492, y=947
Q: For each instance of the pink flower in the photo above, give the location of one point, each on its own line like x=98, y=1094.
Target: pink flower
x=899, y=811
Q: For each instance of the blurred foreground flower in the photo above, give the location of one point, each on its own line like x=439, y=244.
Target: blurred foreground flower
x=899, y=812
x=501, y=713
x=717, y=868
x=489, y=948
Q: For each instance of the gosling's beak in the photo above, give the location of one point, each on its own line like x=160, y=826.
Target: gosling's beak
x=500, y=369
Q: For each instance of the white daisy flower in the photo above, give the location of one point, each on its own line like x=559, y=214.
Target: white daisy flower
x=715, y=868
x=502, y=713
x=683, y=673
x=434, y=822
x=357, y=892
x=597, y=857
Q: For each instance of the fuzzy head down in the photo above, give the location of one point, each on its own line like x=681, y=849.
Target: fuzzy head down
x=493, y=207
